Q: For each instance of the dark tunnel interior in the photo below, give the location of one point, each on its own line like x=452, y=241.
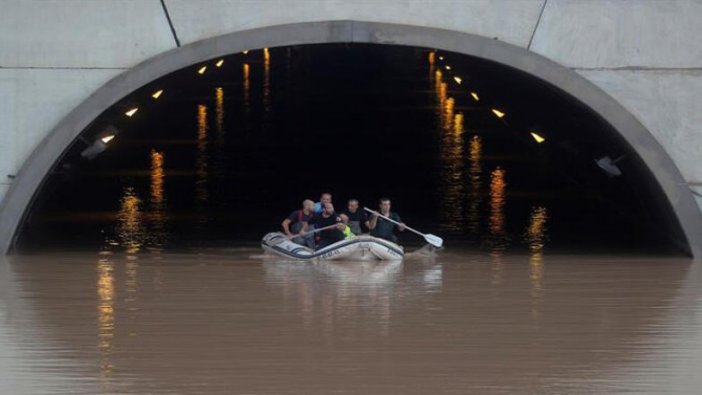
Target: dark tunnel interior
x=217, y=154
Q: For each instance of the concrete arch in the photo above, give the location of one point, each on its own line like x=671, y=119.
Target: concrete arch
x=34, y=171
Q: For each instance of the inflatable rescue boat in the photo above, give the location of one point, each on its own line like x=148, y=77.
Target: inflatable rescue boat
x=357, y=248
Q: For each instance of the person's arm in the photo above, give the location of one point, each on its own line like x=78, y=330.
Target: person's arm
x=286, y=226
x=340, y=224
x=401, y=226
x=306, y=224
x=372, y=222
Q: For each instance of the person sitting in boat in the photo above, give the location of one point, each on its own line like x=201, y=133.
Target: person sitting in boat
x=347, y=229
x=385, y=229
x=356, y=218
x=324, y=199
x=294, y=224
x=327, y=218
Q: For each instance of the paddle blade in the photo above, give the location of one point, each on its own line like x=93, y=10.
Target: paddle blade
x=436, y=241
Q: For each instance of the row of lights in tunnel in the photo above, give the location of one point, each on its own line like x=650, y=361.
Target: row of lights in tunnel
x=473, y=93
x=110, y=132
x=605, y=163
x=100, y=144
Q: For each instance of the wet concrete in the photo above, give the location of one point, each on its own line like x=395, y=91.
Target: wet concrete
x=232, y=321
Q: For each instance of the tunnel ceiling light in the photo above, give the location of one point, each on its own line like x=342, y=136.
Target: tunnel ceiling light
x=475, y=96
x=100, y=144
x=202, y=70
x=220, y=63
x=107, y=138
x=498, y=113
x=131, y=112
x=609, y=166
x=447, y=67
x=157, y=94
x=458, y=80
x=538, y=138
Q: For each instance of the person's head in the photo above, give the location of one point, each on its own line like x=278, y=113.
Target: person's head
x=353, y=205
x=325, y=198
x=307, y=205
x=328, y=208
x=344, y=218
x=384, y=205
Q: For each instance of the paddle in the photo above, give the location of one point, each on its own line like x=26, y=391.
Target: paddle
x=313, y=231
x=436, y=241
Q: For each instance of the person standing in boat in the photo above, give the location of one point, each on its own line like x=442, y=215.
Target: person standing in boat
x=385, y=229
x=355, y=218
x=294, y=224
x=324, y=199
x=327, y=218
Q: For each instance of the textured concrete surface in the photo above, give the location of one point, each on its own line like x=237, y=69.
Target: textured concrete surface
x=81, y=33
x=33, y=102
x=668, y=103
x=511, y=21
x=3, y=187
x=621, y=33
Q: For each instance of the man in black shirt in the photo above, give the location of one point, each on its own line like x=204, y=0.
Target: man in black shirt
x=326, y=218
x=385, y=229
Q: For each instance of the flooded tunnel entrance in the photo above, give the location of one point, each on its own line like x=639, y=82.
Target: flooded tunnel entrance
x=220, y=152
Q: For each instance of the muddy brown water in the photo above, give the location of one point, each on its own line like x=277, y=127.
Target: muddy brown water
x=231, y=321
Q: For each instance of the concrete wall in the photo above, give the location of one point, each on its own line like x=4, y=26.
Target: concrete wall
x=646, y=53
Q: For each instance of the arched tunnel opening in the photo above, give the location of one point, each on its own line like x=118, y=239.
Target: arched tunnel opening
x=219, y=153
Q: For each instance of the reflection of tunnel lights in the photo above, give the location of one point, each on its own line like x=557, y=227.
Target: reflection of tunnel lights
x=457, y=79
x=497, y=112
x=220, y=63
x=202, y=70
x=441, y=58
x=447, y=67
x=538, y=138
x=475, y=96
x=157, y=94
x=131, y=112
x=246, y=51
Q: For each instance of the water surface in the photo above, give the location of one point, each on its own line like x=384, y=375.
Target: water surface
x=226, y=321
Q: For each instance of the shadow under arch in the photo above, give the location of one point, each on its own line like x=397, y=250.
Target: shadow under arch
x=31, y=176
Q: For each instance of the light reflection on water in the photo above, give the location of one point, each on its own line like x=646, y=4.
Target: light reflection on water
x=474, y=195
x=451, y=153
x=497, y=240
x=535, y=235
x=225, y=322
x=130, y=222
x=246, y=72
x=158, y=232
x=106, y=319
x=267, y=81
x=201, y=192
x=219, y=165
